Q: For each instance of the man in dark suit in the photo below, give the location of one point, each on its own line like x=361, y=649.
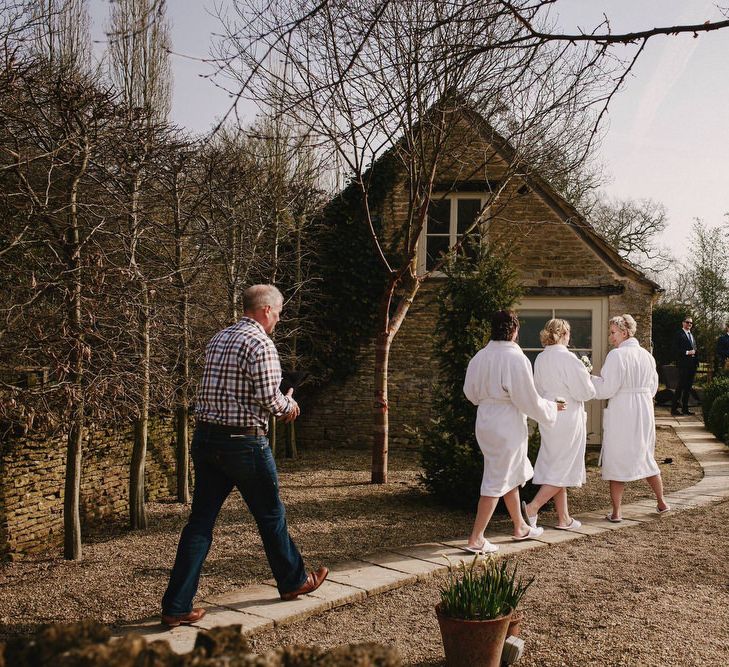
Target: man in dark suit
x=684, y=348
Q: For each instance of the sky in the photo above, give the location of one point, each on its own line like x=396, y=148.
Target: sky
x=666, y=135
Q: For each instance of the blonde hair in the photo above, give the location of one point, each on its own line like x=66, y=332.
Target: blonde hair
x=625, y=323
x=554, y=331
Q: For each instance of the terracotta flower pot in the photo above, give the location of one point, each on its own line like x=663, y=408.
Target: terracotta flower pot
x=472, y=643
x=517, y=617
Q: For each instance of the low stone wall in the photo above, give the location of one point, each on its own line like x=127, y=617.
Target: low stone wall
x=32, y=474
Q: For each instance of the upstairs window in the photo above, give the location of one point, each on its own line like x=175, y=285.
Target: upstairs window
x=448, y=220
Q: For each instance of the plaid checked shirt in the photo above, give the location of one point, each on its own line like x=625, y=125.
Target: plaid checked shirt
x=240, y=382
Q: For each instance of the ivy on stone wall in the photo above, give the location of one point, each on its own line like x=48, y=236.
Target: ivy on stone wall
x=352, y=278
x=472, y=291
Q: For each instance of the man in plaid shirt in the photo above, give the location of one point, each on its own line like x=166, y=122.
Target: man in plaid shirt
x=238, y=393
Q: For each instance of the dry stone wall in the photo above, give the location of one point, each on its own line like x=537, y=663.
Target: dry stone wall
x=32, y=473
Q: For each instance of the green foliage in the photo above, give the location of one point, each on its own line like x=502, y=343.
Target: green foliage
x=719, y=386
x=667, y=319
x=472, y=290
x=352, y=277
x=484, y=590
x=718, y=420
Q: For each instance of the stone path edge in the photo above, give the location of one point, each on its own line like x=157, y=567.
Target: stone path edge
x=257, y=608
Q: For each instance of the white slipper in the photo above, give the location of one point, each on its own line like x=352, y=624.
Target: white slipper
x=485, y=548
x=612, y=519
x=530, y=520
x=573, y=525
x=668, y=509
x=531, y=535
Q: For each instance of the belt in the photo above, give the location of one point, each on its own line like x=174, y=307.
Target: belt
x=225, y=429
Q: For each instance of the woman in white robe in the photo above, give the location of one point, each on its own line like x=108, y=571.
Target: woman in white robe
x=499, y=381
x=629, y=379
x=558, y=373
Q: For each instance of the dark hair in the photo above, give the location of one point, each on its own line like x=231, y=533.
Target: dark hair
x=503, y=324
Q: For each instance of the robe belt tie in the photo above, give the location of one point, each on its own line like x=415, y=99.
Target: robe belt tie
x=495, y=401
x=639, y=390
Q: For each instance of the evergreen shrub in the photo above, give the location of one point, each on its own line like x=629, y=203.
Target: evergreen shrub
x=717, y=387
x=718, y=421
x=474, y=287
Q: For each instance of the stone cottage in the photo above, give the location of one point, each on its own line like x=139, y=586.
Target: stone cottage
x=567, y=271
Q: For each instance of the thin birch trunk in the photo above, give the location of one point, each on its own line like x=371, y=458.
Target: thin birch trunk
x=72, y=492
x=182, y=407
x=137, y=509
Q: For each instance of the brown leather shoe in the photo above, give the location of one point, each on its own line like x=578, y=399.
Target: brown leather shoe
x=186, y=619
x=313, y=581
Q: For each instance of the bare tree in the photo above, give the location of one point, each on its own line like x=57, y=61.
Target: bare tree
x=61, y=33
x=182, y=249
x=708, y=268
x=634, y=228
x=55, y=121
x=139, y=66
x=411, y=81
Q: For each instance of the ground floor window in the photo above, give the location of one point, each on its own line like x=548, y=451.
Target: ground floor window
x=588, y=318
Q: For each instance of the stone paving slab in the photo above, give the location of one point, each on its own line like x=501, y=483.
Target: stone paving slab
x=598, y=519
x=693, y=499
x=422, y=569
x=437, y=553
x=181, y=639
x=336, y=595
x=264, y=601
x=554, y=536
x=588, y=528
x=249, y=623
x=507, y=546
x=712, y=486
x=369, y=577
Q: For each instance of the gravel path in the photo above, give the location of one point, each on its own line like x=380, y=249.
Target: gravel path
x=334, y=514
x=654, y=596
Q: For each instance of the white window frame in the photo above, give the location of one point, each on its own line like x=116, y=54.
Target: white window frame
x=600, y=316
x=453, y=224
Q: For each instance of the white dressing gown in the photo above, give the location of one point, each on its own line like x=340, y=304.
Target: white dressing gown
x=499, y=381
x=558, y=373
x=629, y=379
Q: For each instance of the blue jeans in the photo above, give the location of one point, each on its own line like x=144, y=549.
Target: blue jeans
x=222, y=462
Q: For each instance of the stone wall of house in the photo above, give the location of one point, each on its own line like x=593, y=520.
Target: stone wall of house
x=341, y=415
x=32, y=473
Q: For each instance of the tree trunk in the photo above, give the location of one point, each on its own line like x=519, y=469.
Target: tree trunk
x=72, y=491
x=182, y=410
x=182, y=416
x=137, y=508
x=182, y=407
x=380, y=441
x=389, y=326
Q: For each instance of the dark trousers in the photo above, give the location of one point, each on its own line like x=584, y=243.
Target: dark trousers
x=684, y=388
x=222, y=462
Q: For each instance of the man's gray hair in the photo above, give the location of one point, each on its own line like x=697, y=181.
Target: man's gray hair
x=258, y=296
x=625, y=323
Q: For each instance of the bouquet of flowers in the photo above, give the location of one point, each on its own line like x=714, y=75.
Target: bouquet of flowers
x=586, y=362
